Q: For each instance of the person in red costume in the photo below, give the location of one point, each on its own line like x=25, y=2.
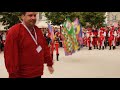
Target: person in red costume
x=106, y=37
x=56, y=43
x=89, y=35
x=26, y=50
x=50, y=43
x=95, y=38
x=118, y=36
x=112, y=37
x=101, y=35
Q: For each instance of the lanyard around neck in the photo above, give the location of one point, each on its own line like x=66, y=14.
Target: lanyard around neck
x=34, y=38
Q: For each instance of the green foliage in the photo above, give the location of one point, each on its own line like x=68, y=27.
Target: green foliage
x=57, y=18
x=9, y=18
x=94, y=18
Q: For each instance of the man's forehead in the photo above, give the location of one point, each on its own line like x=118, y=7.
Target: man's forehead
x=31, y=13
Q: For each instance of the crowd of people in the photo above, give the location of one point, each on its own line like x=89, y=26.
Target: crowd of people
x=101, y=38
x=28, y=48
x=93, y=38
x=97, y=38
x=55, y=43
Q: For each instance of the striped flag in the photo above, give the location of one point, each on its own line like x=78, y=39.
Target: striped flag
x=51, y=32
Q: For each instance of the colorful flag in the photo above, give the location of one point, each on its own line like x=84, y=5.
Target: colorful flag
x=78, y=31
x=67, y=43
x=69, y=38
x=51, y=35
x=70, y=28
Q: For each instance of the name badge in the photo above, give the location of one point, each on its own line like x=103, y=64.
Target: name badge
x=38, y=49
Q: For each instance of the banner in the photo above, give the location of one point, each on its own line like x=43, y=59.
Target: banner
x=67, y=42
x=51, y=32
x=78, y=31
x=70, y=42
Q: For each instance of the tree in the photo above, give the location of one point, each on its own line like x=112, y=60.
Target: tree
x=58, y=18
x=9, y=18
x=94, y=18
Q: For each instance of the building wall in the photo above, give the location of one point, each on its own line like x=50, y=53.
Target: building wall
x=112, y=18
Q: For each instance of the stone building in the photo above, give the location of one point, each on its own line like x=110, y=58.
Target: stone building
x=112, y=18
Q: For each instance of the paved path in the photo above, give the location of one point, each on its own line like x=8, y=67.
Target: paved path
x=83, y=64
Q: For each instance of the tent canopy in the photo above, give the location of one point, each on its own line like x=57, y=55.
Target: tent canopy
x=42, y=24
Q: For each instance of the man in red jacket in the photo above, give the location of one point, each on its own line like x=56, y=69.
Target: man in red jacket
x=95, y=38
x=112, y=38
x=89, y=35
x=101, y=37
x=26, y=50
x=56, y=42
